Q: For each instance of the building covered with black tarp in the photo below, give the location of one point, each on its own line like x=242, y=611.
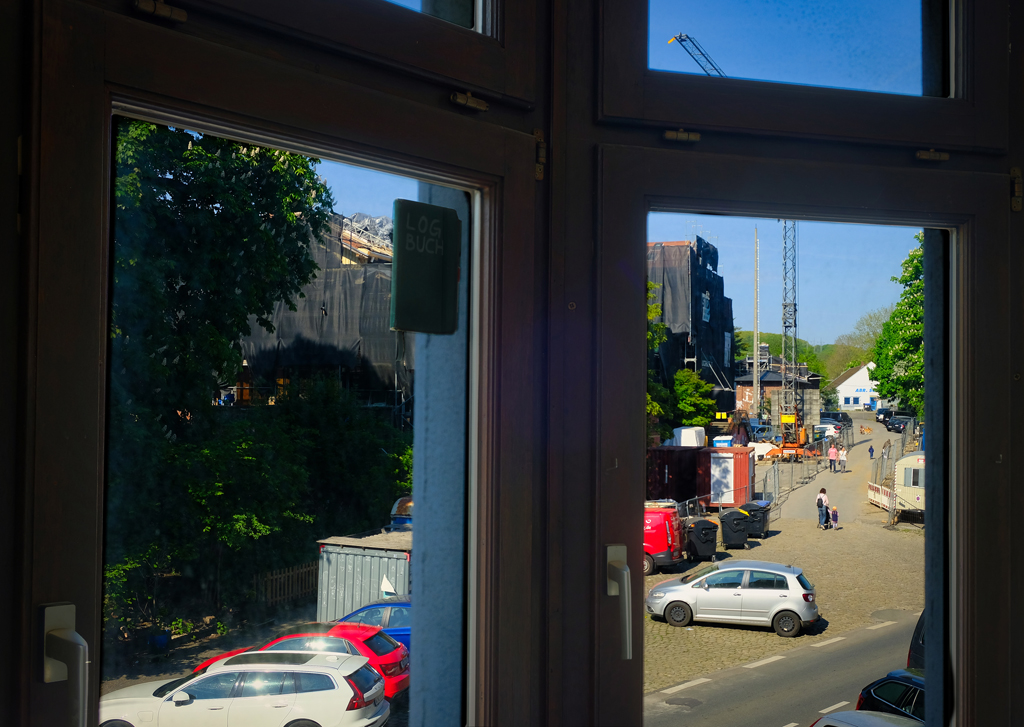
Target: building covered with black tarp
x=340, y=328
x=697, y=314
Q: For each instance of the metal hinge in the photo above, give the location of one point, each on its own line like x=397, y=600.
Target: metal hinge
x=542, y=155
x=161, y=10
x=932, y=156
x=470, y=101
x=1017, y=201
x=682, y=135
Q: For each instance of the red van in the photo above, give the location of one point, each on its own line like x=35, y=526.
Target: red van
x=663, y=542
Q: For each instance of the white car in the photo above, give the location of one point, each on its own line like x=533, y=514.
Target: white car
x=257, y=689
x=748, y=592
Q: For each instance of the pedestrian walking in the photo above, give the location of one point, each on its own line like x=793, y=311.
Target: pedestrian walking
x=871, y=452
x=822, y=502
x=842, y=459
x=832, y=455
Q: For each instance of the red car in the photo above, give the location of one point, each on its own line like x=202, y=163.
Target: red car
x=387, y=656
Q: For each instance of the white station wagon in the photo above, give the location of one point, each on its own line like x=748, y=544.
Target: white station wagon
x=257, y=689
x=738, y=592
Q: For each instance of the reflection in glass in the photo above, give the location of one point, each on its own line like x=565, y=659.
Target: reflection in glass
x=873, y=46
x=459, y=12
x=258, y=401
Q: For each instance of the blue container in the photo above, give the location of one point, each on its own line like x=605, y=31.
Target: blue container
x=722, y=441
x=160, y=641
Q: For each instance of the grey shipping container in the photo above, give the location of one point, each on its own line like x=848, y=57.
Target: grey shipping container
x=353, y=567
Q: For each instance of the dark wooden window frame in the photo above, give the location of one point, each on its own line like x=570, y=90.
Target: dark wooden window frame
x=635, y=181
x=499, y=63
x=976, y=119
x=96, y=64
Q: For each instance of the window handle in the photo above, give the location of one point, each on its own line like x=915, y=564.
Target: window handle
x=618, y=585
x=66, y=658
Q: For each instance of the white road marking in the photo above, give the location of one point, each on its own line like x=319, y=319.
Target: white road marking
x=792, y=724
x=881, y=625
x=684, y=685
x=834, y=706
x=769, y=660
x=830, y=641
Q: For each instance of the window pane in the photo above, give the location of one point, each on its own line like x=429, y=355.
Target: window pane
x=399, y=618
x=260, y=684
x=874, y=45
x=890, y=692
x=760, y=579
x=215, y=686
x=825, y=326
x=381, y=646
x=459, y=12
x=306, y=682
x=260, y=405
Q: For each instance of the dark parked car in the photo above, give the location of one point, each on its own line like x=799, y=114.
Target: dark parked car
x=882, y=414
x=915, y=657
x=898, y=692
x=897, y=413
x=898, y=424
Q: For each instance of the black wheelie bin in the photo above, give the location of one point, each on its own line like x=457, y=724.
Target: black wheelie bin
x=700, y=539
x=734, y=529
x=757, y=511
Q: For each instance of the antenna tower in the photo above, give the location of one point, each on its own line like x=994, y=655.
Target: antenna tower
x=787, y=404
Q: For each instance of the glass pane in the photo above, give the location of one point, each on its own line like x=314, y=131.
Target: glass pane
x=261, y=409
x=460, y=12
x=877, y=45
x=838, y=315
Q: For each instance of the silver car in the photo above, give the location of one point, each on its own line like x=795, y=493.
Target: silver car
x=738, y=592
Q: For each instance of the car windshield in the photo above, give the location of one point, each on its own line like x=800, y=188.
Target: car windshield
x=699, y=573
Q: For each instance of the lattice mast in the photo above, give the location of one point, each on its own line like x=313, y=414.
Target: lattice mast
x=691, y=46
x=787, y=403
x=757, y=331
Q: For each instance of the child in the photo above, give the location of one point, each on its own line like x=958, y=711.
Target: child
x=835, y=519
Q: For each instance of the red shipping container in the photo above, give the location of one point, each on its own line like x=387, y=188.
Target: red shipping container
x=728, y=474
x=672, y=474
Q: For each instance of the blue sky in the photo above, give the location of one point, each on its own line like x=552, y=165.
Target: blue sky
x=872, y=45
x=843, y=270
x=363, y=190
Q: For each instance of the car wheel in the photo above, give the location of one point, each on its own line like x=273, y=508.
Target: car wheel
x=116, y=723
x=303, y=723
x=678, y=613
x=648, y=565
x=786, y=623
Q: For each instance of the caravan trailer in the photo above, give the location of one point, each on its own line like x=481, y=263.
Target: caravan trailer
x=908, y=484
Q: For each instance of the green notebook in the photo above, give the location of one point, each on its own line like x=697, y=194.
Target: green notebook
x=427, y=242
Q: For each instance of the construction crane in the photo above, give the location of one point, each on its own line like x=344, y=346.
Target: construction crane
x=789, y=417
x=691, y=46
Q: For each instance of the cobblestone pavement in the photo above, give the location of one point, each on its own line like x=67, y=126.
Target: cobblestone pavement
x=856, y=570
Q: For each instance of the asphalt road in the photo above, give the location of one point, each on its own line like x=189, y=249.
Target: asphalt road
x=790, y=690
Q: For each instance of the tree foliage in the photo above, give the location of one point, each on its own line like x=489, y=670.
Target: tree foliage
x=694, y=403
x=899, y=348
x=856, y=347
x=805, y=352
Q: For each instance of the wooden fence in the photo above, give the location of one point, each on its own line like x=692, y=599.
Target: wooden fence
x=286, y=584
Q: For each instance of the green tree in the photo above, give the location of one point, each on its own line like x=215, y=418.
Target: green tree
x=899, y=349
x=208, y=233
x=693, y=399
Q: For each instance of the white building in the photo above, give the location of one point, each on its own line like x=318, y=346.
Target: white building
x=855, y=389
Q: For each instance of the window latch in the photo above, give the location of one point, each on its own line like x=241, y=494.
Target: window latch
x=470, y=101
x=682, y=135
